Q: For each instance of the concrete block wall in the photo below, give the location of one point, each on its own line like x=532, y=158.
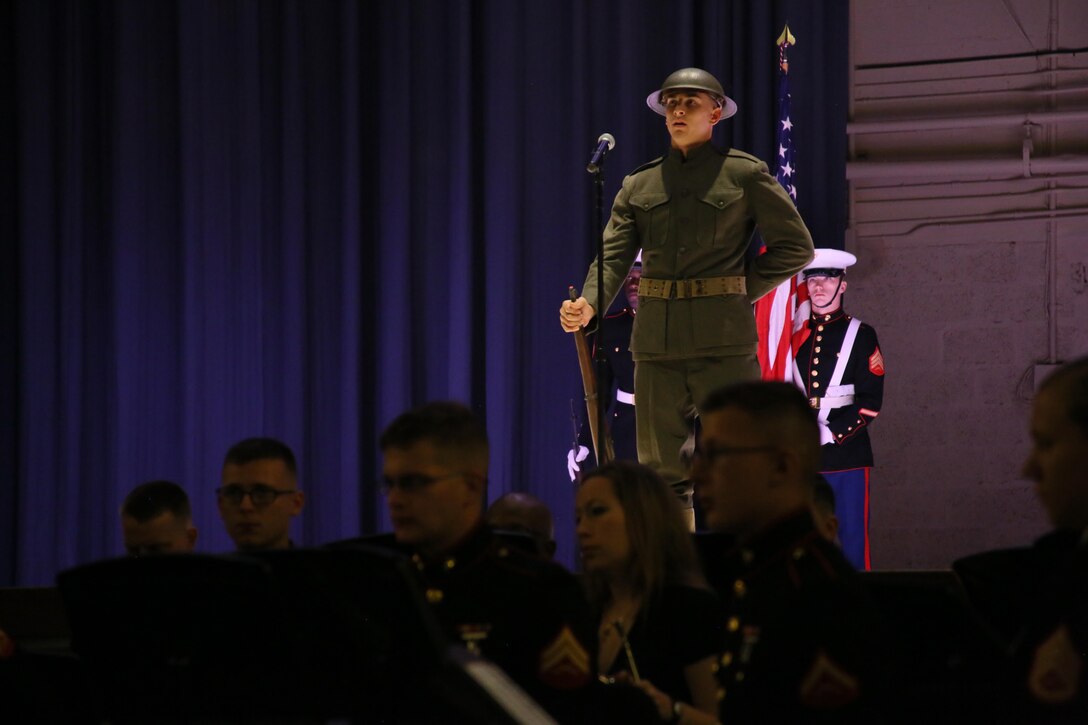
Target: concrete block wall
x=971, y=275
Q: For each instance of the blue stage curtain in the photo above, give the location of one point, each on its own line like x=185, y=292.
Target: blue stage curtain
x=228, y=218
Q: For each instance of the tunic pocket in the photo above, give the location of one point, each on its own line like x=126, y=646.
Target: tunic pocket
x=651, y=217
x=718, y=217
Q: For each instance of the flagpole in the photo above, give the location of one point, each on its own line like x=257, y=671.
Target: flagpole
x=775, y=312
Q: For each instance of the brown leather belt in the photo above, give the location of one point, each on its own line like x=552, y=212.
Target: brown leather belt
x=685, y=288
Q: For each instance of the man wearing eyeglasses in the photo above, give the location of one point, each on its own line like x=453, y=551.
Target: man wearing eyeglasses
x=259, y=496
x=693, y=212
x=802, y=634
x=526, y=614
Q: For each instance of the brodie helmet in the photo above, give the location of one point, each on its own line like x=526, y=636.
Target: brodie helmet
x=695, y=79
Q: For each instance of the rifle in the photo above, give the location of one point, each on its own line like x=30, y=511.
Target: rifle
x=601, y=449
x=575, y=445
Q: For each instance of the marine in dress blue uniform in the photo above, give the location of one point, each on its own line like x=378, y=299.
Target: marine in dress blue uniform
x=804, y=642
x=526, y=614
x=839, y=365
x=1038, y=597
x=797, y=621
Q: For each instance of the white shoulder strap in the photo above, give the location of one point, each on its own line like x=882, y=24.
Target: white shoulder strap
x=845, y=350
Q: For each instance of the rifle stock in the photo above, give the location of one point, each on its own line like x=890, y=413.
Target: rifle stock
x=601, y=449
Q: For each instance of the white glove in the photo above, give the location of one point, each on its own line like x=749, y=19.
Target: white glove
x=825, y=435
x=573, y=459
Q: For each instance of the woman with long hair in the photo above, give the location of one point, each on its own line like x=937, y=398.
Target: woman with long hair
x=659, y=622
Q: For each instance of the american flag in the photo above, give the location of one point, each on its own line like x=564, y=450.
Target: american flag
x=782, y=313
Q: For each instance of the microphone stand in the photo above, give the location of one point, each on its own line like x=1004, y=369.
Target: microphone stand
x=598, y=355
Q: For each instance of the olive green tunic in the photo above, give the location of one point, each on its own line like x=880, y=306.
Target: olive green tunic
x=694, y=218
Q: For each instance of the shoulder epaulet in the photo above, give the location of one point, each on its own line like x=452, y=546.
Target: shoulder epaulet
x=648, y=165
x=735, y=154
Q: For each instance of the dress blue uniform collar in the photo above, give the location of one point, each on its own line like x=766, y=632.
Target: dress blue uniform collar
x=468, y=549
x=824, y=319
x=783, y=537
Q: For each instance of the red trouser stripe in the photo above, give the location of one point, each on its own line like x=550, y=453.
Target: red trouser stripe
x=868, y=561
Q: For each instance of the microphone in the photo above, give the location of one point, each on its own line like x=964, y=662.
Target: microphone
x=605, y=143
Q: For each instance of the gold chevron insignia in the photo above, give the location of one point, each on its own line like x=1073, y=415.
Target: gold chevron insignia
x=564, y=663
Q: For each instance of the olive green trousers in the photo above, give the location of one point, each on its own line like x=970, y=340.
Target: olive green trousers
x=667, y=398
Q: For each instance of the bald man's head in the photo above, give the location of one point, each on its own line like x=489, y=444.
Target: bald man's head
x=524, y=513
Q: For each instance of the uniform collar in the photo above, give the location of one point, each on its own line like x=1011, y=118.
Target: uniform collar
x=1062, y=539
x=469, y=548
x=824, y=319
x=782, y=538
x=696, y=155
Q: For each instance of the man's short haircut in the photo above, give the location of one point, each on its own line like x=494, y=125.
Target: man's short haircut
x=154, y=498
x=822, y=494
x=451, y=427
x=1073, y=379
x=260, y=449
x=779, y=409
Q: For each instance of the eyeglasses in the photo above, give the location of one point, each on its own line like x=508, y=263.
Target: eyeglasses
x=707, y=456
x=412, y=482
x=260, y=494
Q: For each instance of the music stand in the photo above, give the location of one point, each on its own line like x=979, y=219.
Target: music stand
x=175, y=635
x=941, y=656
x=305, y=633
x=994, y=582
x=363, y=640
